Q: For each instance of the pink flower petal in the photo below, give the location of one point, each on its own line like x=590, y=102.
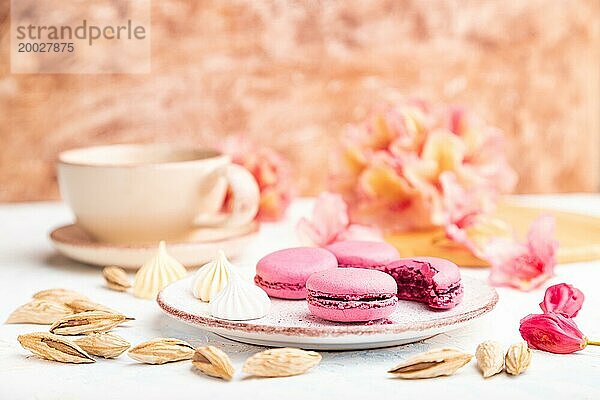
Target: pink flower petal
x=456, y=119
x=330, y=215
x=309, y=234
x=562, y=299
x=329, y=223
x=466, y=220
x=329, y=219
x=457, y=201
x=524, y=266
x=460, y=236
x=541, y=240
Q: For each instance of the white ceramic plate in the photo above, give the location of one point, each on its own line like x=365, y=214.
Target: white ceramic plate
x=290, y=324
x=74, y=243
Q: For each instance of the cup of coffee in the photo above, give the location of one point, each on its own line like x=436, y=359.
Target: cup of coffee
x=143, y=193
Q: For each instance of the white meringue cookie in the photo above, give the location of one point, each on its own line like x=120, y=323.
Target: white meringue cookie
x=212, y=277
x=240, y=300
x=157, y=273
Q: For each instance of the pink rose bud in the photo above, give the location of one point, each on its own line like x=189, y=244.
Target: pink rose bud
x=562, y=299
x=553, y=333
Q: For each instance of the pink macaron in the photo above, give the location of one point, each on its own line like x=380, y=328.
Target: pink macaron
x=351, y=294
x=430, y=280
x=284, y=273
x=363, y=254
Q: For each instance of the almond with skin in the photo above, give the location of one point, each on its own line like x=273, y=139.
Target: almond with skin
x=83, y=305
x=55, y=348
x=116, y=278
x=431, y=364
x=87, y=322
x=162, y=350
x=213, y=362
x=281, y=362
x=38, y=311
x=106, y=345
x=59, y=295
x=518, y=358
x=490, y=358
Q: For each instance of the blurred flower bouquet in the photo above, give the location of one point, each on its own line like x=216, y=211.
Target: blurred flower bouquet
x=398, y=170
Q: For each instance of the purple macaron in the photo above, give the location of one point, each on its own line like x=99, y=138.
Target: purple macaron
x=430, y=280
x=363, y=254
x=284, y=273
x=351, y=294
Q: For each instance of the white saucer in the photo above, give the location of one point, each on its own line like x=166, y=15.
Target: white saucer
x=73, y=242
x=290, y=324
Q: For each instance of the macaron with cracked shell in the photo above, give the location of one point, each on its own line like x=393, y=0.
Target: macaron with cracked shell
x=430, y=280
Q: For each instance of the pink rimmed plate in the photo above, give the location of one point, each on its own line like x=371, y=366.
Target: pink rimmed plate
x=290, y=324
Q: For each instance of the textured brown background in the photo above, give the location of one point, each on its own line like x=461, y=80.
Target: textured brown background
x=293, y=73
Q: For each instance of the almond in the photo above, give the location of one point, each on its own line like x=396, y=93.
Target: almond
x=107, y=345
x=87, y=322
x=431, y=364
x=55, y=348
x=116, y=278
x=490, y=358
x=213, y=362
x=518, y=358
x=281, y=362
x=38, y=311
x=162, y=350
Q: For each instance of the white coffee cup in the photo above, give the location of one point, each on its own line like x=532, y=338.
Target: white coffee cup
x=143, y=193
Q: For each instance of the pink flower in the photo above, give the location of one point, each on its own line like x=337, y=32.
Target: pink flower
x=392, y=166
x=562, y=299
x=330, y=223
x=467, y=221
x=524, y=265
x=520, y=265
x=271, y=171
x=553, y=333
x=460, y=205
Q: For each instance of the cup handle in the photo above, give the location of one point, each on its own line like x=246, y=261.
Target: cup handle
x=244, y=202
x=245, y=196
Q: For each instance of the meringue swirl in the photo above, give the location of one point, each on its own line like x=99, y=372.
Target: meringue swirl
x=240, y=301
x=212, y=277
x=156, y=273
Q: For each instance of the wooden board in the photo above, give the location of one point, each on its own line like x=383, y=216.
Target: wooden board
x=578, y=235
